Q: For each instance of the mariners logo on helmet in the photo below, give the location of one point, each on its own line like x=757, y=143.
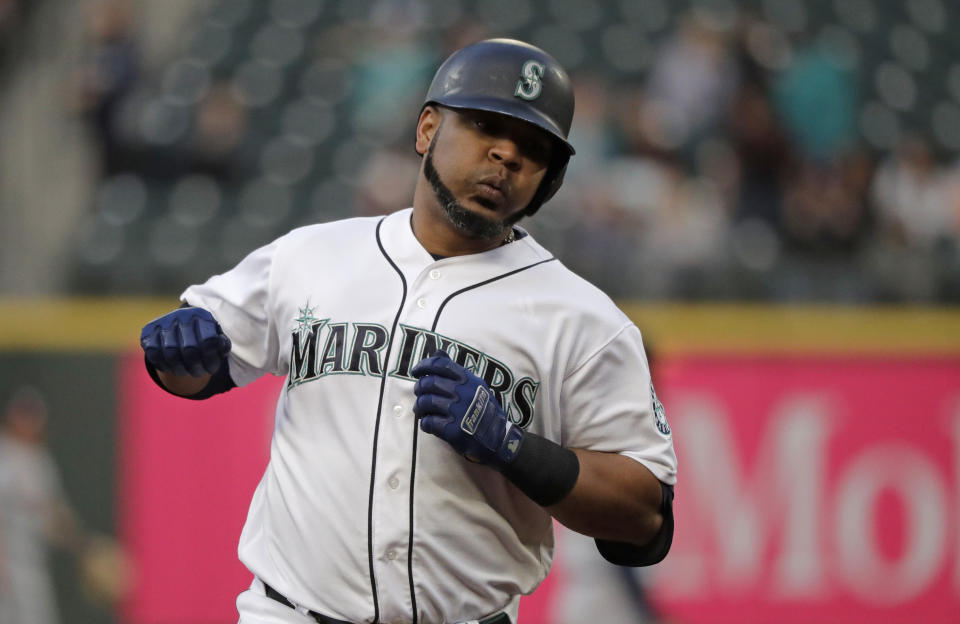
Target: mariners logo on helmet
x=529, y=86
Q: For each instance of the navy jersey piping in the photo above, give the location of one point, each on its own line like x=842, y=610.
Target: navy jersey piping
x=376, y=429
x=416, y=429
x=413, y=480
x=483, y=283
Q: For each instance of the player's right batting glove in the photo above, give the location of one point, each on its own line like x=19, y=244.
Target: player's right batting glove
x=457, y=406
x=187, y=341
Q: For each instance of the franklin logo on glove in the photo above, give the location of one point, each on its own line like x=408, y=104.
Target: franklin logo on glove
x=480, y=400
x=457, y=406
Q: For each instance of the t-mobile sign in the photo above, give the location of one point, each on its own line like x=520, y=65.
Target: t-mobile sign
x=814, y=490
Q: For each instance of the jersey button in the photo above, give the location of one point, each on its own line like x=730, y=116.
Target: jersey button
x=421, y=302
x=435, y=274
x=398, y=410
x=391, y=555
x=394, y=483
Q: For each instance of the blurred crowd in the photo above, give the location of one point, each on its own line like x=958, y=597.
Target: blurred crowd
x=766, y=149
x=738, y=169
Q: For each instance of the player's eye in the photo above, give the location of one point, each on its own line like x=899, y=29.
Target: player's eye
x=536, y=151
x=484, y=125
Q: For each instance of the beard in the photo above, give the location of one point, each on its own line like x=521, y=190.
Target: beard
x=470, y=224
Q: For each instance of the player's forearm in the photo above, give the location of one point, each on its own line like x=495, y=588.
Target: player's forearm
x=614, y=498
x=184, y=385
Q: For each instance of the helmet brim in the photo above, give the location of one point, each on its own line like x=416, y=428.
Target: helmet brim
x=516, y=110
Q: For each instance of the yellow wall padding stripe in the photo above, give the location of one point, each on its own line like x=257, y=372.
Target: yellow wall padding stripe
x=109, y=325
x=103, y=325
x=808, y=329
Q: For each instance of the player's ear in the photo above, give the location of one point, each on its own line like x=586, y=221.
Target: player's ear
x=427, y=127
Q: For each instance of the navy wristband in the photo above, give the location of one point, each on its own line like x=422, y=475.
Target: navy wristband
x=543, y=470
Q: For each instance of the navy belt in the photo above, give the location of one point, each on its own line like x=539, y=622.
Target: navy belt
x=499, y=618
x=319, y=617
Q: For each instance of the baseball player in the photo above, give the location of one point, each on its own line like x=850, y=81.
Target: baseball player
x=34, y=513
x=450, y=386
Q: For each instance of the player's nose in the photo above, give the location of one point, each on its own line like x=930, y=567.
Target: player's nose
x=506, y=152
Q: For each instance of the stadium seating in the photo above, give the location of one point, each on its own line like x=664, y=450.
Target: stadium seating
x=321, y=86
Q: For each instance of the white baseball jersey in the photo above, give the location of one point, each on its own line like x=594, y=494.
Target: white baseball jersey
x=359, y=515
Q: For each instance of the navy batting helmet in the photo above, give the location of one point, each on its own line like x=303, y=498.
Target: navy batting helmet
x=516, y=79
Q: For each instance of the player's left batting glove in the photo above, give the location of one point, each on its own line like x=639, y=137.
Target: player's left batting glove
x=456, y=405
x=187, y=341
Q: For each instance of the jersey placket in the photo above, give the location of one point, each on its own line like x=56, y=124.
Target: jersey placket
x=396, y=463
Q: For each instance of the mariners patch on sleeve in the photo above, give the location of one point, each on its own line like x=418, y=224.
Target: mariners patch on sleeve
x=658, y=413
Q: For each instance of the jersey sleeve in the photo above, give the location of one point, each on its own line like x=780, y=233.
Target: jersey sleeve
x=608, y=404
x=240, y=300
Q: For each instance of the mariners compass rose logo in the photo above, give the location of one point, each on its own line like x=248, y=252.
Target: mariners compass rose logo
x=306, y=320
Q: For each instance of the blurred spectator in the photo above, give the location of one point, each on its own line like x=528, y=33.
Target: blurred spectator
x=916, y=256
x=606, y=238
x=648, y=225
x=15, y=16
x=386, y=181
x=764, y=152
x=691, y=80
x=384, y=70
x=465, y=31
x=590, y=132
x=916, y=199
x=107, y=74
x=817, y=101
x=9, y=20
x=218, y=142
x=407, y=16
x=9, y=14
x=825, y=208
x=33, y=513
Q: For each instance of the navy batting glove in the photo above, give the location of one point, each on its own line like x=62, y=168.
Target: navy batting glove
x=187, y=341
x=456, y=405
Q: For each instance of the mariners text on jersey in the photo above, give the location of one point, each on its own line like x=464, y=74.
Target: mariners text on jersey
x=320, y=348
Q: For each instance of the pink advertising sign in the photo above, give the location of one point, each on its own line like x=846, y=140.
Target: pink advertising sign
x=187, y=472
x=814, y=490
x=811, y=489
